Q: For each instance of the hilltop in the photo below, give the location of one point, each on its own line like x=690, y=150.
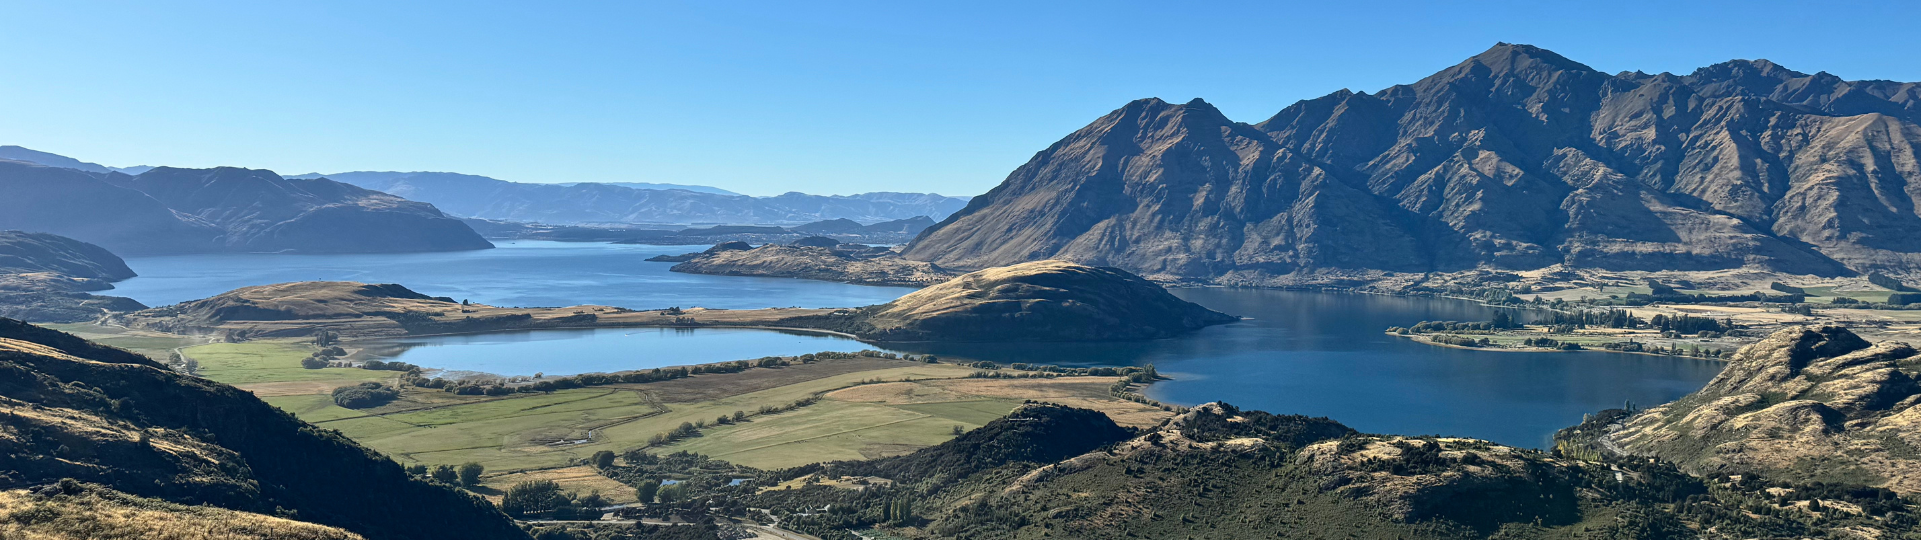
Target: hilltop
x=1037, y=301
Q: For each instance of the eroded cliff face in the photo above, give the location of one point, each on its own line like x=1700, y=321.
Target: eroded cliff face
x=1515, y=158
x=1806, y=404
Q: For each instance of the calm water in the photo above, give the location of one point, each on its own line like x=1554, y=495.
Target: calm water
x=518, y=273
x=1305, y=353
x=1322, y=354
x=601, y=350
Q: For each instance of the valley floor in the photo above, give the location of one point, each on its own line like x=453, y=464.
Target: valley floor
x=854, y=408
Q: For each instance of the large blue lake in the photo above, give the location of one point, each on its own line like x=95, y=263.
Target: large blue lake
x=1300, y=352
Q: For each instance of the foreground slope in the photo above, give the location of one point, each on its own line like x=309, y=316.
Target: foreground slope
x=169, y=210
x=91, y=512
x=76, y=410
x=1047, y=471
x=1807, y=404
x=1516, y=158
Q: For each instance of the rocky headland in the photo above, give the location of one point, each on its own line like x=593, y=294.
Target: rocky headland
x=46, y=278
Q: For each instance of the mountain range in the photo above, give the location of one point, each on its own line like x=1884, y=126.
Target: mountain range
x=1516, y=158
x=30, y=155
x=168, y=210
x=481, y=197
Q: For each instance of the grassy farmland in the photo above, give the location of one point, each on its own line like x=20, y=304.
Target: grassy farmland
x=863, y=408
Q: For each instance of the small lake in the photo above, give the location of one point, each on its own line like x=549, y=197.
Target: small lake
x=1317, y=354
x=602, y=350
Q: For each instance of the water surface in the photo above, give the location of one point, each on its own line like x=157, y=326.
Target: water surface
x=1308, y=353
x=603, y=350
x=518, y=273
x=1324, y=354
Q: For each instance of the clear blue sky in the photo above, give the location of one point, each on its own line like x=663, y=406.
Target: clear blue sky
x=767, y=97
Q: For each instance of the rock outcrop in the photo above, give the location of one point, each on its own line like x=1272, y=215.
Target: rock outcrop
x=43, y=278
x=1037, y=301
x=1805, y=404
x=168, y=210
x=1516, y=158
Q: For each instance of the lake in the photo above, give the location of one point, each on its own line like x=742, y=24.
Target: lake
x=519, y=273
x=1318, y=354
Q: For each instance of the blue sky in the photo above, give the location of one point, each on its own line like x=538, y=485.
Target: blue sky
x=768, y=97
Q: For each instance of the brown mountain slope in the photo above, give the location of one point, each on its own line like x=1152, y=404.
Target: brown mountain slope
x=1515, y=158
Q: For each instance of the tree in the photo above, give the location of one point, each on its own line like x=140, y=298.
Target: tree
x=603, y=459
x=672, y=493
x=1502, y=320
x=532, y=498
x=958, y=431
x=445, y=474
x=470, y=473
x=646, y=490
x=313, y=362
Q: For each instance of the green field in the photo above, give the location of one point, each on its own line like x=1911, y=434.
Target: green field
x=155, y=346
x=255, y=362
x=837, y=430
x=529, y=431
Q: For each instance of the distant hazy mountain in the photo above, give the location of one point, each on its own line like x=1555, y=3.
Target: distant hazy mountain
x=649, y=185
x=168, y=210
x=1516, y=158
x=56, y=160
x=562, y=204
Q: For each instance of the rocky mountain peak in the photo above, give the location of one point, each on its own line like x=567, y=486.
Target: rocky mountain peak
x=1517, y=157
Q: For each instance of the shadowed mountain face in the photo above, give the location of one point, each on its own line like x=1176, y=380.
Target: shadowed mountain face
x=23, y=252
x=1516, y=158
x=169, y=210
